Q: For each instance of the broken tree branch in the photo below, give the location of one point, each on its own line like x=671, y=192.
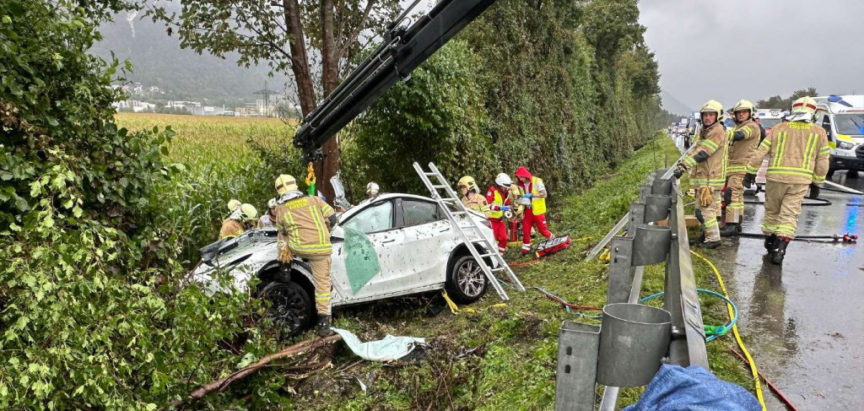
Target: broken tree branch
x=223, y=383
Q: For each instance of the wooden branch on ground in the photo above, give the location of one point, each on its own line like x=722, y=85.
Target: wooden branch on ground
x=294, y=350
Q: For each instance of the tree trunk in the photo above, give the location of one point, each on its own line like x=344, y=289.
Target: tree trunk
x=299, y=60
x=328, y=167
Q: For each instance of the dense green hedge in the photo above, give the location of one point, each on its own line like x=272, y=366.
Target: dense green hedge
x=566, y=88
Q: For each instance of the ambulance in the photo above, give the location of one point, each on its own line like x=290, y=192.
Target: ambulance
x=842, y=117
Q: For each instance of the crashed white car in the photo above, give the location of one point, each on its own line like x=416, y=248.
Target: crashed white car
x=392, y=245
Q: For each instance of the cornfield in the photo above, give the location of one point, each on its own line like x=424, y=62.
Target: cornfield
x=213, y=163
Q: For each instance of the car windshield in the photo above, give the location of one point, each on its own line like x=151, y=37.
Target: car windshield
x=850, y=123
x=378, y=217
x=769, y=122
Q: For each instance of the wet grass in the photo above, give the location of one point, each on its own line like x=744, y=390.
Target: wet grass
x=503, y=357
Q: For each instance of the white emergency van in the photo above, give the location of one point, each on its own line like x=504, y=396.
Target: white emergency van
x=842, y=117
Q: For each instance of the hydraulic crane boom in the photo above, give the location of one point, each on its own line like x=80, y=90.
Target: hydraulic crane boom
x=403, y=49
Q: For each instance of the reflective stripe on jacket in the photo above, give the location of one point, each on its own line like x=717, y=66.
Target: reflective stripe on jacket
x=799, y=154
x=711, y=172
x=477, y=203
x=740, y=151
x=302, y=225
x=538, y=205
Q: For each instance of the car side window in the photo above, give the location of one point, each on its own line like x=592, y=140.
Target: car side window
x=419, y=212
x=826, y=124
x=375, y=218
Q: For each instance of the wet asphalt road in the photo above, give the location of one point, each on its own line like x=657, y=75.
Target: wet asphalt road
x=805, y=320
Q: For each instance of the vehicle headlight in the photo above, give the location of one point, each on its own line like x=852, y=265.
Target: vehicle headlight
x=845, y=145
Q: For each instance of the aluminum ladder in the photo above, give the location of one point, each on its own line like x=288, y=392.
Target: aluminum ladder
x=449, y=199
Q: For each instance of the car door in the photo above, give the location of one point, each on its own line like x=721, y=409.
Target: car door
x=428, y=239
x=376, y=223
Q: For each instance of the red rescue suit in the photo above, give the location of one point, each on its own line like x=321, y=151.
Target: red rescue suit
x=497, y=199
x=536, y=214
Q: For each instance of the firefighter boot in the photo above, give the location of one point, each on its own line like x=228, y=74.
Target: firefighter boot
x=770, y=242
x=323, y=326
x=780, y=250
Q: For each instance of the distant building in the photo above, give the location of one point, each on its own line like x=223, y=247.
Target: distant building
x=192, y=107
x=134, y=106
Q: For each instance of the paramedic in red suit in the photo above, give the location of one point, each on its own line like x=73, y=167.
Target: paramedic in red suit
x=499, y=202
x=535, y=215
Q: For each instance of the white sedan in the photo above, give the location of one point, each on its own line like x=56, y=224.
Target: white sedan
x=392, y=245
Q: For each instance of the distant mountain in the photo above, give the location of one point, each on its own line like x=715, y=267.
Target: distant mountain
x=675, y=106
x=181, y=74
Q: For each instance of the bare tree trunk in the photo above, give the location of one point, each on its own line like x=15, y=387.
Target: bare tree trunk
x=299, y=60
x=328, y=167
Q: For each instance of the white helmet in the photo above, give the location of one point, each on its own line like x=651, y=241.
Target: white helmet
x=271, y=203
x=372, y=188
x=503, y=180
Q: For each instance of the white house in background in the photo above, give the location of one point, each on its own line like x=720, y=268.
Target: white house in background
x=193, y=107
x=134, y=106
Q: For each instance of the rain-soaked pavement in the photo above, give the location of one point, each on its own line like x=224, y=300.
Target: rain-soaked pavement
x=805, y=320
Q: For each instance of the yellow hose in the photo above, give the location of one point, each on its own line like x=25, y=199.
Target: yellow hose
x=753, y=369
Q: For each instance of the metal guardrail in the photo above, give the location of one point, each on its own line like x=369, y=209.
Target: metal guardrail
x=633, y=340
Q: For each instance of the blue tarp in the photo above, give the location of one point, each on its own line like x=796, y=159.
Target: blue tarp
x=676, y=388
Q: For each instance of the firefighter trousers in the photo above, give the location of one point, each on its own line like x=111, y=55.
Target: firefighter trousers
x=735, y=208
x=710, y=214
x=320, y=265
x=530, y=220
x=782, y=207
x=499, y=230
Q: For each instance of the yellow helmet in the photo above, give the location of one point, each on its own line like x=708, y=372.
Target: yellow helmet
x=712, y=106
x=469, y=183
x=248, y=211
x=804, y=105
x=233, y=204
x=285, y=183
x=744, y=105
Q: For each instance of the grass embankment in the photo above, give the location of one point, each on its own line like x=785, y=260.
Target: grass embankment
x=217, y=165
x=504, y=357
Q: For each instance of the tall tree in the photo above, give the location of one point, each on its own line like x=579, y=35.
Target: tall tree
x=309, y=38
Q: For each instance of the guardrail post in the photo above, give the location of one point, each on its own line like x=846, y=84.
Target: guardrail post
x=575, y=380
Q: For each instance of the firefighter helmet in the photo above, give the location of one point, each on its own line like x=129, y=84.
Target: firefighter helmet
x=804, y=105
x=744, y=105
x=285, y=183
x=503, y=180
x=372, y=188
x=248, y=211
x=712, y=106
x=233, y=204
x=469, y=183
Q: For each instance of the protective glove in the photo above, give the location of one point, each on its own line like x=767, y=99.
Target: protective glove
x=505, y=208
x=738, y=135
x=749, y=179
x=680, y=169
x=527, y=195
x=814, y=191
x=706, y=198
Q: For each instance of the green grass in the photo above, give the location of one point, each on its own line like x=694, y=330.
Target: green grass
x=512, y=365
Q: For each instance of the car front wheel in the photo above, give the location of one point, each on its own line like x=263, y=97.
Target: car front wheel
x=290, y=306
x=466, y=281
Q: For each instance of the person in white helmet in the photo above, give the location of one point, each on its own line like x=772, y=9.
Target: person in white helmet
x=499, y=203
x=267, y=220
x=372, y=189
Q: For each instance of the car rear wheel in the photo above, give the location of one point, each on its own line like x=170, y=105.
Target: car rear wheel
x=466, y=281
x=291, y=306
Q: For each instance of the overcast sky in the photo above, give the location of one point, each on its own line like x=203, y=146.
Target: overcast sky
x=754, y=49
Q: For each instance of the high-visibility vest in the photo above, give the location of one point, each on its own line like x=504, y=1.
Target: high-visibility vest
x=498, y=202
x=304, y=222
x=538, y=205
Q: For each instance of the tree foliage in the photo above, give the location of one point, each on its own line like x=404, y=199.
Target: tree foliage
x=786, y=103
x=87, y=319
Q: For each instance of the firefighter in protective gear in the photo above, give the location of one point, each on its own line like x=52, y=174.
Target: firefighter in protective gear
x=240, y=219
x=233, y=204
x=706, y=162
x=743, y=142
x=798, y=158
x=499, y=203
x=372, y=189
x=303, y=231
x=471, y=197
x=267, y=220
x=535, y=214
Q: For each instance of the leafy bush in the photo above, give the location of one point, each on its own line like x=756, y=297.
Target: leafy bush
x=88, y=320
